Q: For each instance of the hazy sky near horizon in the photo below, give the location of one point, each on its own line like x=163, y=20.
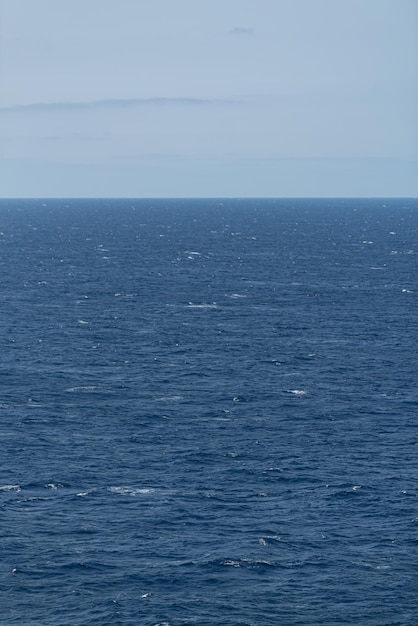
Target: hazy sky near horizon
x=187, y=98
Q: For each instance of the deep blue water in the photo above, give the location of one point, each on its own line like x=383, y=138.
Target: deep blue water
x=208, y=412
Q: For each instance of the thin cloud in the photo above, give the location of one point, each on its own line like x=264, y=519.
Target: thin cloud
x=115, y=103
x=57, y=138
x=242, y=30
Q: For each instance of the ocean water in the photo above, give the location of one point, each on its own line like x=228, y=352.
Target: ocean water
x=208, y=412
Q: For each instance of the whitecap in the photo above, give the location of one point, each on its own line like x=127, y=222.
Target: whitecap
x=212, y=305
x=87, y=389
x=130, y=491
x=246, y=563
x=169, y=398
x=298, y=392
x=10, y=488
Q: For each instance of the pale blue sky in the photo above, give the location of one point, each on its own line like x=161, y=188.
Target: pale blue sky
x=160, y=98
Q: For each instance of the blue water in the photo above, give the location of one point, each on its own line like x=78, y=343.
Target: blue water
x=208, y=412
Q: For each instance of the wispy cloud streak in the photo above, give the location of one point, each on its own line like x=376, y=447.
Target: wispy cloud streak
x=116, y=103
x=242, y=30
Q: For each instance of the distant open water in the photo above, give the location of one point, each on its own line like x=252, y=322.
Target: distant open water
x=208, y=412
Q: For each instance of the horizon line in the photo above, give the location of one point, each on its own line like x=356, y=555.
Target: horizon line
x=146, y=198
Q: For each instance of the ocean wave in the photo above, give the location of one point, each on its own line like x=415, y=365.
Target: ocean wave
x=130, y=491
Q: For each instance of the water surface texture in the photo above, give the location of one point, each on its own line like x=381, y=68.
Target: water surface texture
x=208, y=412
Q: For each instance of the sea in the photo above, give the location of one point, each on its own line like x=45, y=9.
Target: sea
x=209, y=412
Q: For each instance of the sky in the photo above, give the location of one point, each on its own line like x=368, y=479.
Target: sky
x=208, y=98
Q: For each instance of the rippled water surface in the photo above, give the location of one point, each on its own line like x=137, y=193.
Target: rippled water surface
x=208, y=412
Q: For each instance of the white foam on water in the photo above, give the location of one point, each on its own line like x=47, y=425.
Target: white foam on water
x=87, y=389
x=130, y=491
x=16, y=488
x=169, y=399
x=246, y=563
x=212, y=305
x=298, y=392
